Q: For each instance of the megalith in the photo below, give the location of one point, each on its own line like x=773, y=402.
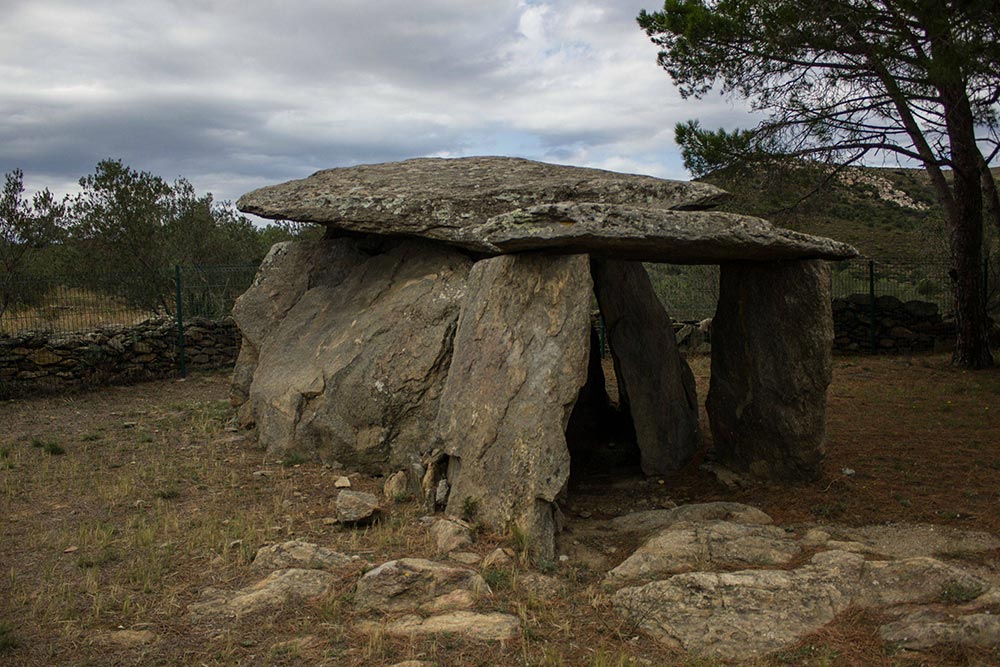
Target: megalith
x=354, y=370
x=772, y=337
x=519, y=362
x=653, y=379
x=450, y=308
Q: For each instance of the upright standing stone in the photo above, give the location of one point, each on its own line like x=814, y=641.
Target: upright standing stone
x=355, y=369
x=652, y=375
x=771, y=345
x=519, y=362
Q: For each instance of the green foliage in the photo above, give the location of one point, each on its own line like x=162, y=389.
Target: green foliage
x=839, y=80
x=24, y=227
x=141, y=225
x=705, y=151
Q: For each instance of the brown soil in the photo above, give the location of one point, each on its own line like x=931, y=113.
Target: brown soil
x=155, y=497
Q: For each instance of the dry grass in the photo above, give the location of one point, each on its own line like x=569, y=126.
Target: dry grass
x=156, y=497
x=64, y=309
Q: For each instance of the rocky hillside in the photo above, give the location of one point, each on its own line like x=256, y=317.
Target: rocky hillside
x=884, y=212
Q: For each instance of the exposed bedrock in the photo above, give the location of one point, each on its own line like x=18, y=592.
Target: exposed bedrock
x=654, y=380
x=353, y=371
x=771, y=342
x=520, y=360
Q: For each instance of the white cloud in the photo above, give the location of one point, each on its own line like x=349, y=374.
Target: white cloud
x=235, y=94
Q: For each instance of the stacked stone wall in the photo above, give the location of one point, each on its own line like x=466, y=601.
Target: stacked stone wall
x=913, y=326
x=889, y=325
x=36, y=362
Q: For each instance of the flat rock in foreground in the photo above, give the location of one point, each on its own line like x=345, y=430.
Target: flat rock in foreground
x=497, y=205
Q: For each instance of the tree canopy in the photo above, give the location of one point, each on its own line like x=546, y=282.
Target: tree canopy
x=849, y=79
x=25, y=226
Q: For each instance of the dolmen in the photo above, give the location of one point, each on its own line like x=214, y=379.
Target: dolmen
x=448, y=307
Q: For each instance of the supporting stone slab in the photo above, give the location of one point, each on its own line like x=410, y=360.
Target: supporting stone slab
x=771, y=345
x=520, y=359
x=652, y=376
x=354, y=370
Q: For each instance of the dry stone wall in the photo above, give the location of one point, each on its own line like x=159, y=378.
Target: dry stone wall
x=913, y=326
x=36, y=362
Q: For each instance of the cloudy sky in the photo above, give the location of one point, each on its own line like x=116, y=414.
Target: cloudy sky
x=235, y=94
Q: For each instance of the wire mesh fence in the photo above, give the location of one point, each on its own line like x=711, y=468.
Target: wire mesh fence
x=690, y=293
x=71, y=303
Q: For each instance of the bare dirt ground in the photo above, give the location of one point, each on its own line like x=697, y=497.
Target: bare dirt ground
x=119, y=506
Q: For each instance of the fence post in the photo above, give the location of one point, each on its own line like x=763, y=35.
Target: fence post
x=180, y=321
x=874, y=308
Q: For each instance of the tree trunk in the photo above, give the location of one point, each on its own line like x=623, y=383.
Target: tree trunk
x=965, y=231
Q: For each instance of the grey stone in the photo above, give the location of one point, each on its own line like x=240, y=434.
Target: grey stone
x=396, y=487
x=468, y=624
x=357, y=507
x=440, y=198
x=450, y=535
x=926, y=628
x=653, y=379
x=497, y=205
x=520, y=360
x=915, y=580
x=281, y=280
x=908, y=540
x=741, y=614
x=499, y=559
x=408, y=583
x=298, y=554
x=713, y=545
x=650, y=520
x=273, y=592
x=650, y=234
x=772, y=336
x=354, y=370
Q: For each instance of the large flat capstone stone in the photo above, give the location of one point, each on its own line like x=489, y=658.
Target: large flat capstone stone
x=497, y=205
x=519, y=361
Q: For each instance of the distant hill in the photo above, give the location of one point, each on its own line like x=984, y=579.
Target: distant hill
x=887, y=213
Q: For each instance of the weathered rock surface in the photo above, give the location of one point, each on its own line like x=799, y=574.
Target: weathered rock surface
x=714, y=545
x=909, y=540
x=275, y=591
x=753, y=612
x=915, y=580
x=650, y=520
x=653, y=379
x=499, y=559
x=450, y=535
x=298, y=554
x=408, y=583
x=357, y=507
x=519, y=362
x=925, y=628
x=282, y=278
x=629, y=232
x=397, y=486
x=354, y=370
x=496, y=205
x=439, y=198
x=741, y=614
x=771, y=365
x=484, y=627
